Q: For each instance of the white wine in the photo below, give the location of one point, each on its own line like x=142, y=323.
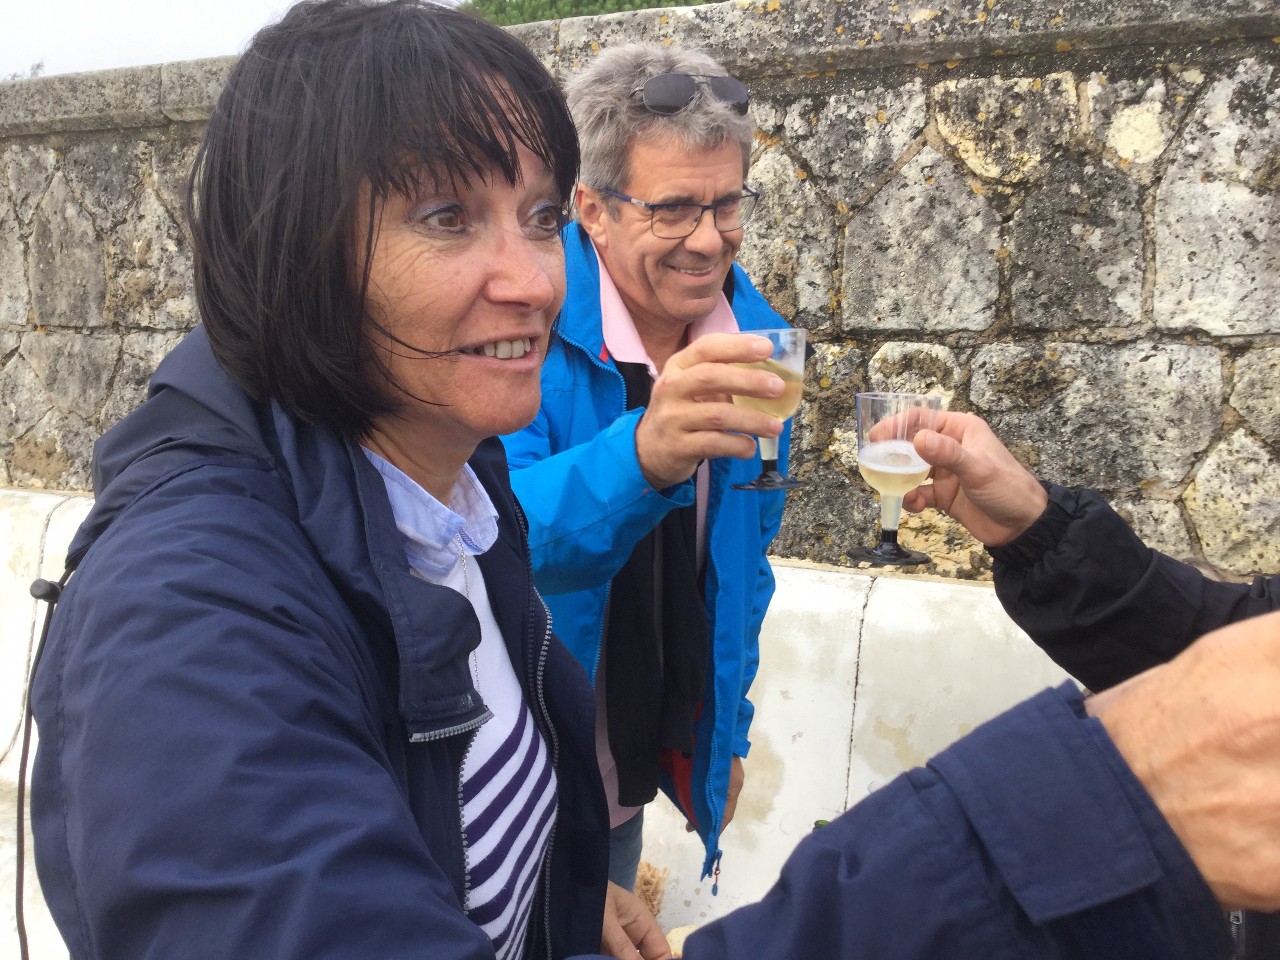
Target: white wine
x=892, y=466
x=780, y=407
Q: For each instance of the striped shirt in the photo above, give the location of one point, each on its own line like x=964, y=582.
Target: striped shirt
x=507, y=784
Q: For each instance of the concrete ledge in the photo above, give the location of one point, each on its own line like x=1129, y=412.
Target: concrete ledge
x=860, y=678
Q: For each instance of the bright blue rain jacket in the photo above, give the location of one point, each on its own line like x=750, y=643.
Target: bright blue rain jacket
x=575, y=472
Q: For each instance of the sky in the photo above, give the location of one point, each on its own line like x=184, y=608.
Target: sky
x=71, y=36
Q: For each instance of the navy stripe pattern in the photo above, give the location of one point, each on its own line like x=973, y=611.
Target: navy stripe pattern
x=508, y=805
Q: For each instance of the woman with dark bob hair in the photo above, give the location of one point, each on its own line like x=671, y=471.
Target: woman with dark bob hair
x=300, y=698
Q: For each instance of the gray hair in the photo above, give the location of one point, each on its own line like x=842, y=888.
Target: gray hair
x=610, y=118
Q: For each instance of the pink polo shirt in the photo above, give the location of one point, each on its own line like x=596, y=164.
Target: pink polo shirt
x=622, y=342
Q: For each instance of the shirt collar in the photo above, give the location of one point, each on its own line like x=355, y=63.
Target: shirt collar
x=431, y=531
x=622, y=340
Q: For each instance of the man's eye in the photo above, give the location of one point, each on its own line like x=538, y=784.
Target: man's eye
x=673, y=211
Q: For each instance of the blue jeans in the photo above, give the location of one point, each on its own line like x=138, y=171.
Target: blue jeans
x=625, y=842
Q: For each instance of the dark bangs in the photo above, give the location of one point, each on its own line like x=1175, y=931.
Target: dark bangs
x=459, y=103
x=340, y=96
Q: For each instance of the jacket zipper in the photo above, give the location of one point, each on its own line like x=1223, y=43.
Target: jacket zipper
x=539, y=688
x=469, y=727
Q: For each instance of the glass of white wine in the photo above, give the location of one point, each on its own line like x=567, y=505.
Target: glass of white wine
x=887, y=460
x=787, y=361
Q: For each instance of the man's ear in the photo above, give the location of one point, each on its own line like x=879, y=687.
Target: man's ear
x=592, y=213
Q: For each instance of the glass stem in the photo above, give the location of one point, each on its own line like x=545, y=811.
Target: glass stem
x=769, y=451
x=890, y=514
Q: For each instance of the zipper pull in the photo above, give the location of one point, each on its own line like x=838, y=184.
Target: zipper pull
x=715, y=874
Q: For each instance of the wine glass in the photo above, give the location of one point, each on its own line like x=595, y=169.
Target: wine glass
x=887, y=460
x=787, y=361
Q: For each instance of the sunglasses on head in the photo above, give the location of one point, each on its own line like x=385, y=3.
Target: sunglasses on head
x=669, y=93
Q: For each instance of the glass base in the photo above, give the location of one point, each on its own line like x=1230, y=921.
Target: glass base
x=771, y=480
x=887, y=553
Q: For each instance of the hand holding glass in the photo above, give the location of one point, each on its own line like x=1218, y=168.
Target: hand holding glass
x=887, y=460
x=787, y=361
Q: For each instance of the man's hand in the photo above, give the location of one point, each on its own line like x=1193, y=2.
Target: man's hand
x=976, y=480
x=630, y=930
x=691, y=418
x=1202, y=733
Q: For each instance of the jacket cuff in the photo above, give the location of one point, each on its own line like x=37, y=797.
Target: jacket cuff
x=1045, y=534
x=1069, y=827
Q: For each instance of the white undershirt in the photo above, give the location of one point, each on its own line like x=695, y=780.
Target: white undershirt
x=507, y=783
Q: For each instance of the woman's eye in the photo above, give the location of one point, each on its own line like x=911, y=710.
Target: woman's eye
x=548, y=218
x=448, y=217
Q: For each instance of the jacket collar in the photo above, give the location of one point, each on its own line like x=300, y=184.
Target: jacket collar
x=195, y=416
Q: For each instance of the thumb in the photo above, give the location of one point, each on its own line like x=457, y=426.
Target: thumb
x=938, y=450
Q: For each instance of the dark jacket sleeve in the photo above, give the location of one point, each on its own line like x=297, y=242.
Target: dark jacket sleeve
x=1102, y=604
x=213, y=777
x=1029, y=838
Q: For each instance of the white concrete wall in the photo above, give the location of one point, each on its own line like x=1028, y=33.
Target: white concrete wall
x=35, y=529
x=860, y=678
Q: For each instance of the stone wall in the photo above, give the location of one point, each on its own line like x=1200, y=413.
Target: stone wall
x=1063, y=217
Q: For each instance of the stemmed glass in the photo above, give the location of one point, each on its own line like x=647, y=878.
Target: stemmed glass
x=787, y=361
x=887, y=460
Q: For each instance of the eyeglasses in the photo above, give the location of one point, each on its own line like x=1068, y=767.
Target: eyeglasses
x=675, y=221
x=669, y=93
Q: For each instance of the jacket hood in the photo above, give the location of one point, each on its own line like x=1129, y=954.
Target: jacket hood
x=194, y=414
x=195, y=418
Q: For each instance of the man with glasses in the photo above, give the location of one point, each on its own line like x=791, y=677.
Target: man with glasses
x=654, y=569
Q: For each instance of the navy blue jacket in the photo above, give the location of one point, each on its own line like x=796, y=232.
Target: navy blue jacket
x=252, y=716
x=1103, y=604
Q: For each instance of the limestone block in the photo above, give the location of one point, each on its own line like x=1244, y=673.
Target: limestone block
x=106, y=175
x=825, y=518
x=14, y=300
x=581, y=38
x=1158, y=523
x=54, y=454
x=1234, y=502
x=1005, y=128
x=152, y=284
x=1076, y=247
x=1218, y=211
x=65, y=262
x=1135, y=120
x=30, y=168
x=172, y=158
x=75, y=371
x=141, y=355
x=791, y=244
x=1116, y=417
x=921, y=256
x=190, y=88
x=826, y=423
x=1254, y=394
x=127, y=97
x=850, y=141
x=915, y=368
x=23, y=398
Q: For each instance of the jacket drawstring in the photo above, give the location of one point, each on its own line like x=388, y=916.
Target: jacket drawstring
x=49, y=592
